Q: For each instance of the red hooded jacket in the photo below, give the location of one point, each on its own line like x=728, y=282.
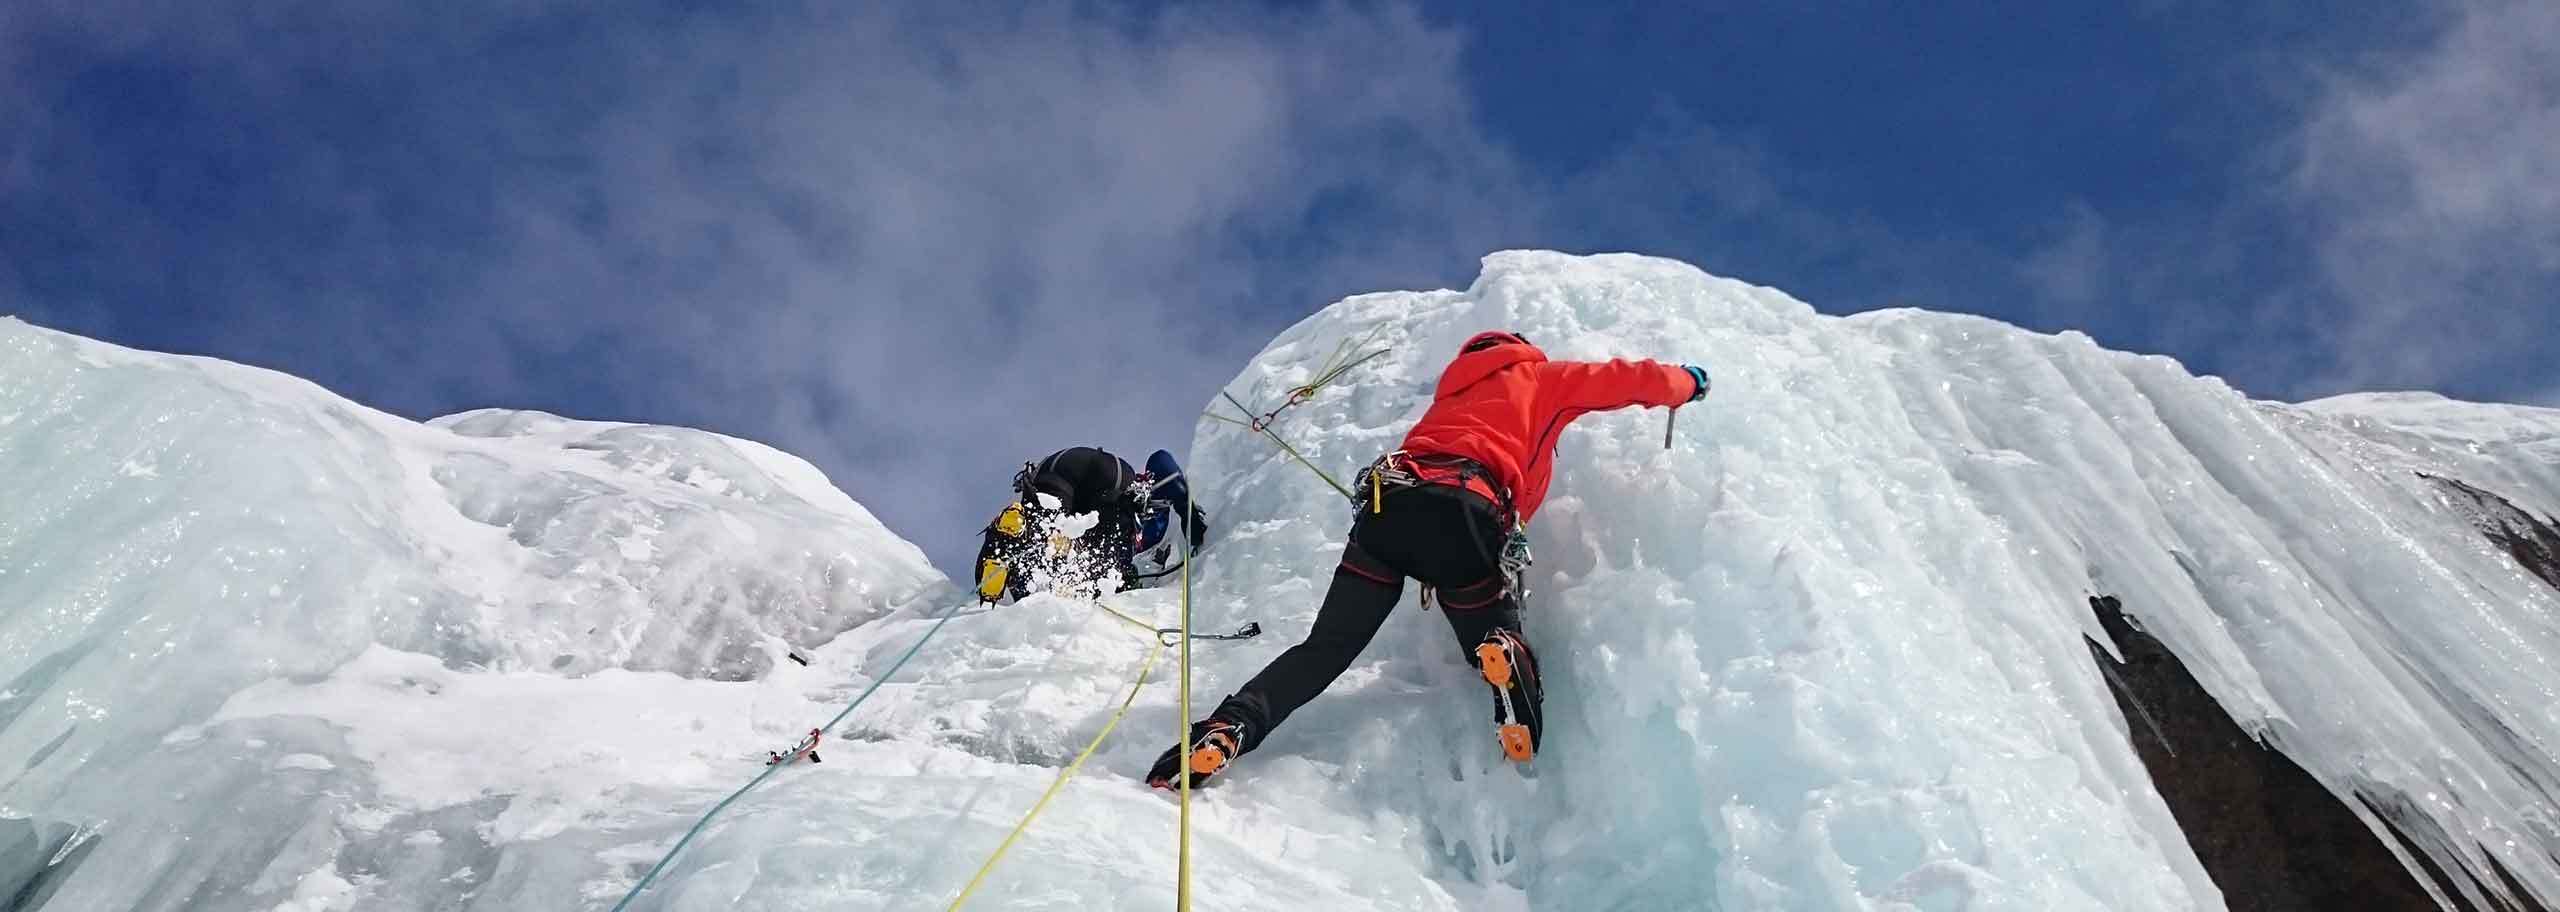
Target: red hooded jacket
x=1504, y=406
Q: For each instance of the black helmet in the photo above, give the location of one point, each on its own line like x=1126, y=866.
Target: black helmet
x=1485, y=340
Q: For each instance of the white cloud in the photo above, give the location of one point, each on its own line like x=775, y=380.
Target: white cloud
x=2069, y=272
x=2434, y=178
x=941, y=251
x=916, y=246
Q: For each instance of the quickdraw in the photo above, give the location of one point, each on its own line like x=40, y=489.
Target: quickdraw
x=1259, y=422
x=807, y=747
x=1335, y=365
x=1515, y=563
x=1172, y=636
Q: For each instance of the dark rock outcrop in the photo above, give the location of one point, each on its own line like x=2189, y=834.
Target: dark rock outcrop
x=2271, y=836
x=2533, y=540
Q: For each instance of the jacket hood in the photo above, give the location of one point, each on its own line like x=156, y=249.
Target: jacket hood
x=1472, y=366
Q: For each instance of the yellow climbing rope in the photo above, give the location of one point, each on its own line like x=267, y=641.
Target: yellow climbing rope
x=1347, y=354
x=1182, y=725
x=1124, y=616
x=1063, y=775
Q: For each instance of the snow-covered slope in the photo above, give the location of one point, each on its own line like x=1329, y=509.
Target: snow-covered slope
x=1826, y=651
x=2511, y=449
x=177, y=533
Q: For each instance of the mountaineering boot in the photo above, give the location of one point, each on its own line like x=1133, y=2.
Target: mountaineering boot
x=1508, y=667
x=1215, y=742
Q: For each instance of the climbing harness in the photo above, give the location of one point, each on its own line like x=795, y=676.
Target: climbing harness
x=1389, y=471
x=1399, y=470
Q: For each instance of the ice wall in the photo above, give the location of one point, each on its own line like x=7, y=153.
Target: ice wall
x=1826, y=651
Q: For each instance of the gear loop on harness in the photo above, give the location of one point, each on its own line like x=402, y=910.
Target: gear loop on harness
x=1403, y=469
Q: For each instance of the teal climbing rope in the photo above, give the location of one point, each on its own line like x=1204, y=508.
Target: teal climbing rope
x=782, y=760
x=1346, y=355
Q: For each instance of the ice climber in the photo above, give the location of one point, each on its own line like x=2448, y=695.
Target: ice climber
x=1132, y=511
x=1447, y=508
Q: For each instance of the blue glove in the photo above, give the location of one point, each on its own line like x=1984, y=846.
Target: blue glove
x=1698, y=374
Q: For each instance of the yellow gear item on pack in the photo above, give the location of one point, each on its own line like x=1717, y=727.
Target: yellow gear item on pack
x=993, y=573
x=991, y=579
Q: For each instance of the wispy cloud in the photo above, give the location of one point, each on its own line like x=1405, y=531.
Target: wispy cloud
x=2433, y=177
x=2069, y=271
x=917, y=247
x=921, y=245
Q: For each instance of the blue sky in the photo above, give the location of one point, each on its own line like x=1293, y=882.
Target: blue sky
x=865, y=233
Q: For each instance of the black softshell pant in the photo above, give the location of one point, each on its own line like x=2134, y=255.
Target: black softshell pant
x=1447, y=537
